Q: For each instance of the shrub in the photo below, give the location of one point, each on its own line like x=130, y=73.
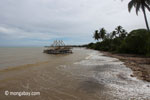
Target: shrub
x=136, y=42
x=148, y=46
x=105, y=45
x=116, y=42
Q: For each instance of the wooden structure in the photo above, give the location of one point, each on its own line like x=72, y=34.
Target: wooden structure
x=58, y=47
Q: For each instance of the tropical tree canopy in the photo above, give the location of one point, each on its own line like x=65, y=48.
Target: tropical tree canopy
x=118, y=32
x=118, y=29
x=113, y=34
x=102, y=33
x=96, y=35
x=140, y=4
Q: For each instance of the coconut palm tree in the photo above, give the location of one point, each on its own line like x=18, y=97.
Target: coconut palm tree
x=123, y=34
x=140, y=4
x=118, y=29
x=96, y=35
x=102, y=33
x=113, y=34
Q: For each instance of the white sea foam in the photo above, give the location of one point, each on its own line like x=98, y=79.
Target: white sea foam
x=115, y=75
x=96, y=58
x=61, y=67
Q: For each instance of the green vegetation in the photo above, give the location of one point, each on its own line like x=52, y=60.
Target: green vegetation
x=119, y=41
x=140, y=4
x=135, y=42
x=96, y=35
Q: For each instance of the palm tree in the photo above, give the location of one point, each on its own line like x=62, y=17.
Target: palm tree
x=96, y=35
x=118, y=29
x=123, y=34
x=113, y=34
x=102, y=33
x=140, y=4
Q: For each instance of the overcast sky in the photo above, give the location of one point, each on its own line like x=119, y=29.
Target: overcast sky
x=39, y=22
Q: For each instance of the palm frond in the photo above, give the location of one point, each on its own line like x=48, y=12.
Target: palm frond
x=138, y=6
x=147, y=2
x=130, y=5
x=148, y=8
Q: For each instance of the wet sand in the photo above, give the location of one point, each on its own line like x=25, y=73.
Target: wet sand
x=83, y=75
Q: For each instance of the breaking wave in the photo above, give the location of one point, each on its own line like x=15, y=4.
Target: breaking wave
x=114, y=74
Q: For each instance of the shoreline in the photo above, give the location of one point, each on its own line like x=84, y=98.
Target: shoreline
x=86, y=74
x=140, y=65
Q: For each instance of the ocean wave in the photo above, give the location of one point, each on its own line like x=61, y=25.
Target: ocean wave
x=115, y=75
x=97, y=58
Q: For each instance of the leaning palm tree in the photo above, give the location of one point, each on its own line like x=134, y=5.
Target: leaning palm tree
x=140, y=4
x=96, y=35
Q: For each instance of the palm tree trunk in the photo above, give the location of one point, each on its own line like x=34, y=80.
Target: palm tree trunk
x=145, y=17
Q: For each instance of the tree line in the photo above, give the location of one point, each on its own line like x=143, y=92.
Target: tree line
x=102, y=34
x=120, y=41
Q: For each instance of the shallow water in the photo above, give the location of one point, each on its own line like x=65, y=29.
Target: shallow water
x=83, y=75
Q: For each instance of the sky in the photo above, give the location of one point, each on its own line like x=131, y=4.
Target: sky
x=40, y=22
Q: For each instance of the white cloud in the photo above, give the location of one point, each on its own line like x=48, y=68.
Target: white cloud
x=15, y=33
x=51, y=19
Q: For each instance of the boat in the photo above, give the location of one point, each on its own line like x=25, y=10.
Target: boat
x=58, y=47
